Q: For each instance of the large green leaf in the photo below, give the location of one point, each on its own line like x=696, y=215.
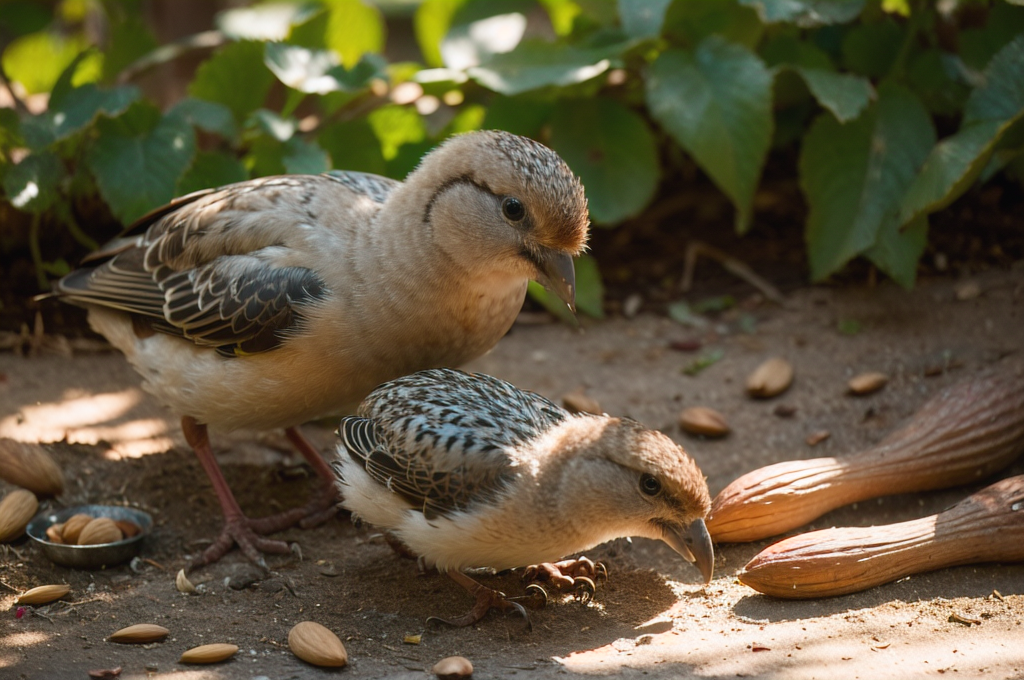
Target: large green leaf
x=855, y=175
x=236, y=77
x=871, y=49
x=207, y=116
x=536, y=64
x=75, y=110
x=211, y=169
x=138, y=158
x=353, y=146
x=319, y=71
x=304, y=157
x=716, y=102
x=522, y=115
x=642, y=18
x=589, y=292
x=395, y=126
x=38, y=59
x=612, y=150
x=689, y=22
x=844, y=94
x=354, y=28
x=32, y=184
x=957, y=161
x=807, y=13
x=896, y=252
x=431, y=23
x=483, y=28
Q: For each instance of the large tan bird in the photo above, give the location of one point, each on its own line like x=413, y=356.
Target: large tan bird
x=270, y=302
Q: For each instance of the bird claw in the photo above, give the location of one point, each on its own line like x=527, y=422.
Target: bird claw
x=579, y=575
x=536, y=597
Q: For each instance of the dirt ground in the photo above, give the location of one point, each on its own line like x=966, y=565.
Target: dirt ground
x=653, y=618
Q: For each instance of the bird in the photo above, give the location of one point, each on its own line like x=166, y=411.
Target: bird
x=466, y=471
x=274, y=301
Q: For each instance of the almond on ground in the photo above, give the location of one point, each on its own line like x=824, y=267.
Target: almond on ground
x=140, y=633
x=317, y=645
x=16, y=509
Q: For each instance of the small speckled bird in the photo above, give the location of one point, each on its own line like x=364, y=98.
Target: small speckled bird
x=271, y=302
x=466, y=470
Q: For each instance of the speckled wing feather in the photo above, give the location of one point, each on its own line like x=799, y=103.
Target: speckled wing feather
x=442, y=438
x=182, y=267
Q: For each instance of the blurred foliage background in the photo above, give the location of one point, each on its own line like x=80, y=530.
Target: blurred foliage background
x=888, y=110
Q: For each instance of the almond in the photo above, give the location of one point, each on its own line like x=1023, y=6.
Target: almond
x=209, y=653
x=140, y=633
x=100, y=531
x=453, y=668
x=73, y=527
x=771, y=378
x=578, y=402
x=127, y=528
x=16, y=509
x=866, y=383
x=54, y=533
x=705, y=421
x=317, y=645
x=30, y=466
x=43, y=594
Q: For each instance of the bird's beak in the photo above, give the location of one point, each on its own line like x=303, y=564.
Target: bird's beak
x=558, y=275
x=694, y=544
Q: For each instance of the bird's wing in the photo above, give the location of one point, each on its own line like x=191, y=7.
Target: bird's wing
x=442, y=439
x=209, y=266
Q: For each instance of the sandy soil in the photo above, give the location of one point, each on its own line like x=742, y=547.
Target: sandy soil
x=653, y=618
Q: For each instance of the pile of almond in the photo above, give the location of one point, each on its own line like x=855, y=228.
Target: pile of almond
x=83, y=529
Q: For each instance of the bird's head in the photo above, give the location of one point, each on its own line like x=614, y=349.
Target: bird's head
x=506, y=203
x=641, y=483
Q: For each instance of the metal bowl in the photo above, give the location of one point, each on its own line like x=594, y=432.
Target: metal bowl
x=91, y=556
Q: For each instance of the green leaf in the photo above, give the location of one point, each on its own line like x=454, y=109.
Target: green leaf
x=536, y=64
x=319, y=71
x=75, y=111
x=482, y=29
x=979, y=45
x=38, y=59
x=394, y=126
x=353, y=146
x=207, y=116
x=138, y=158
x=589, y=289
x=716, y=102
x=353, y=29
x=431, y=23
x=130, y=39
x=523, y=115
x=562, y=14
x=211, y=169
x=589, y=293
x=220, y=78
x=643, y=18
x=844, y=94
x=855, y=175
x=302, y=157
x=807, y=13
x=937, y=77
x=690, y=22
x=32, y=184
x=957, y=161
x=271, y=21
x=871, y=49
x=1001, y=96
x=896, y=252
x=612, y=150
x=270, y=123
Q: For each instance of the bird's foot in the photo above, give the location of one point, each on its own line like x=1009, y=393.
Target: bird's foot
x=486, y=600
x=323, y=507
x=245, y=533
x=580, y=575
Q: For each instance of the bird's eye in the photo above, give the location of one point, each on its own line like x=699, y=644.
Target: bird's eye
x=650, y=485
x=513, y=209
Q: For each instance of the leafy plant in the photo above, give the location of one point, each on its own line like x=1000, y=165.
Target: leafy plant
x=897, y=107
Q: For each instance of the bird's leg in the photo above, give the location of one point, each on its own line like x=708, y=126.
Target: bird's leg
x=580, y=574
x=238, y=529
x=486, y=599
x=324, y=504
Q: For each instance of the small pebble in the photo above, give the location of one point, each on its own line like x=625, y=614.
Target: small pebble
x=815, y=438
